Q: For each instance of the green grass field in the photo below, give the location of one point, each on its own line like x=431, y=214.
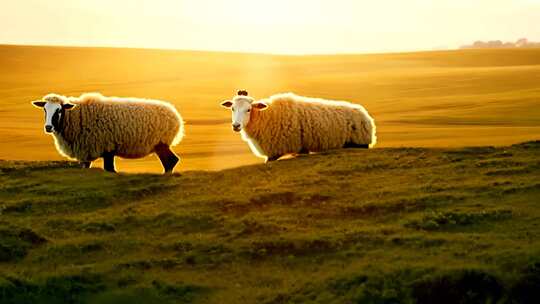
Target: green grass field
x=425, y=99
x=391, y=225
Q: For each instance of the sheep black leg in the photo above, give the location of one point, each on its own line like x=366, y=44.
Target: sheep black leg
x=108, y=162
x=304, y=151
x=355, y=145
x=273, y=158
x=167, y=157
x=86, y=164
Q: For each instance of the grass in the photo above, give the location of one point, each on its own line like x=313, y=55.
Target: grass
x=425, y=99
x=390, y=225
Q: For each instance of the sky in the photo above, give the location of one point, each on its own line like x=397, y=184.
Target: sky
x=269, y=26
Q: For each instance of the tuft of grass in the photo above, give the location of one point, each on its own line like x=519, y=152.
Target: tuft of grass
x=440, y=220
x=56, y=289
x=92, y=288
x=460, y=286
x=15, y=242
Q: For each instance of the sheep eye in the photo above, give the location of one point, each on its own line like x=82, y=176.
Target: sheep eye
x=248, y=110
x=232, y=108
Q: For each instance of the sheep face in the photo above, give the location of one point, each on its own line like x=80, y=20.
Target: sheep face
x=241, y=107
x=54, y=113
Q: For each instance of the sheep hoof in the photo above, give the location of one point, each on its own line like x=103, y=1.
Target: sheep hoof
x=355, y=145
x=85, y=164
x=273, y=158
x=304, y=151
x=172, y=161
x=167, y=157
x=108, y=162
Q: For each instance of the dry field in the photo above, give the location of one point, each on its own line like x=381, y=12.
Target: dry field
x=429, y=99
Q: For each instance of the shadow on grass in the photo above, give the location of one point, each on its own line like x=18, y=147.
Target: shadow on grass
x=93, y=288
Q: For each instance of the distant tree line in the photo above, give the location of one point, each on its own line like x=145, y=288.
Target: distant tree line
x=520, y=43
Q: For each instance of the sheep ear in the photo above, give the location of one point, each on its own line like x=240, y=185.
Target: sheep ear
x=68, y=106
x=259, y=106
x=226, y=104
x=39, y=103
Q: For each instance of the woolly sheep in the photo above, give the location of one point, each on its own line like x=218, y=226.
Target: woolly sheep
x=288, y=124
x=93, y=126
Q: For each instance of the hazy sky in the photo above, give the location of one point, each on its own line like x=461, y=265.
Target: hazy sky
x=270, y=26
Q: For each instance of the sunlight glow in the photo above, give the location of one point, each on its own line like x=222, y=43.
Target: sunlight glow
x=278, y=26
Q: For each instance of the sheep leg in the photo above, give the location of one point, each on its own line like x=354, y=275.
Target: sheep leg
x=108, y=162
x=355, y=145
x=304, y=151
x=167, y=157
x=86, y=164
x=272, y=158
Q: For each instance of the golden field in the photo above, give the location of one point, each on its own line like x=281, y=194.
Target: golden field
x=426, y=99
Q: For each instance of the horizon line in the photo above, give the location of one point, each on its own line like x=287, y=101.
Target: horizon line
x=227, y=51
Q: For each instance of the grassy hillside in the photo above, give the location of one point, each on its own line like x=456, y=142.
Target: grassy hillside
x=428, y=99
x=452, y=225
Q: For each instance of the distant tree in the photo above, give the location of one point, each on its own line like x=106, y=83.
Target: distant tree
x=520, y=43
x=479, y=44
x=494, y=44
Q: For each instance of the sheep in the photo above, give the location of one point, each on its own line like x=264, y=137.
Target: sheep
x=93, y=126
x=291, y=124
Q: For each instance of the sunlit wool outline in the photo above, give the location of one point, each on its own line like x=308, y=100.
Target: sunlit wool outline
x=131, y=127
x=288, y=123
